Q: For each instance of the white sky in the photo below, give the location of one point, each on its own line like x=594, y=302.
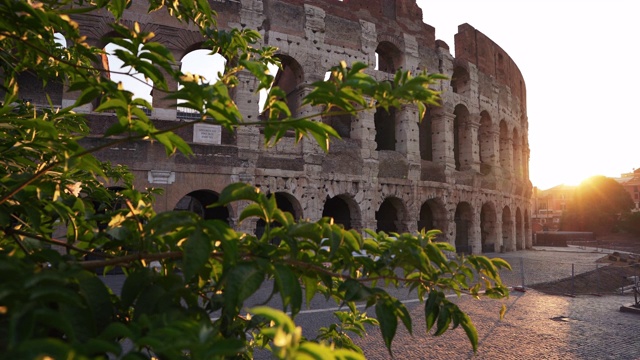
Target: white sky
x=579, y=62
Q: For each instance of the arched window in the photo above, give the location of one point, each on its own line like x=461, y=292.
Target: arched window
x=385, y=123
x=208, y=66
x=119, y=72
x=426, y=137
x=462, y=144
x=198, y=202
x=388, y=57
x=460, y=81
x=288, y=79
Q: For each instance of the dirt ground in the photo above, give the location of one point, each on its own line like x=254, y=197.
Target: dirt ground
x=620, y=242
x=609, y=279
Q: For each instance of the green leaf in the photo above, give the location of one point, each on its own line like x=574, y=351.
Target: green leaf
x=252, y=210
x=87, y=96
x=432, y=308
x=310, y=287
x=98, y=299
x=386, y=315
x=289, y=288
x=241, y=282
x=112, y=104
x=501, y=263
x=197, y=249
x=278, y=317
x=135, y=283
x=469, y=328
x=237, y=192
x=444, y=319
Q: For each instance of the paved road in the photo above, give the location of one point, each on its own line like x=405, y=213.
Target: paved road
x=536, y=326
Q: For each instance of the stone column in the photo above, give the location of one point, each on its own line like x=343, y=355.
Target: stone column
x=364, y=131
x=475, y=237
x=506, y=156
x=165, y=109
x=493, y=150
x=472, y=154
x=407, y=133
x=499, y=234
x=442, y=129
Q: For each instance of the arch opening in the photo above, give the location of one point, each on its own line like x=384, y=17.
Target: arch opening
x=433, y=216
x=338, y=209
x=425, y=133
x=385, y=123
x=464, y=220
x=462, y=145
x=488, y=234
x=284, y=202
x=198, y=202
x=132, y=81
x=389, y=216
x=208, y=67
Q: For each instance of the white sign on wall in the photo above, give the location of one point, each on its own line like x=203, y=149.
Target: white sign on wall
x=207, y=134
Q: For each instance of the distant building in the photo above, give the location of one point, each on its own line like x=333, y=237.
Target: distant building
x=631, y=183
x=548, y=207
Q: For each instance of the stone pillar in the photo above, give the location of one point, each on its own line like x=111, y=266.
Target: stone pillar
x=512, y=229
x=473, y=152
x=506, y=156
x=252, y=14
x=528, y=235
x=442, y=129
x=407, y=138
x=369, y=40
x=165, y=109
x=364, y=131
x=249, y=140
x=499, y=234
x=475, y=237
x=493, y=148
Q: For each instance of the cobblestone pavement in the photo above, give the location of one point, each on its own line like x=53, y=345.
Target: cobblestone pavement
x=535, y=326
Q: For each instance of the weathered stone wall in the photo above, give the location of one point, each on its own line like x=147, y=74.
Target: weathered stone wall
x=464, y=170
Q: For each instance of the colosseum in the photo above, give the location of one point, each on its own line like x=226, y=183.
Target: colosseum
x=463, y=169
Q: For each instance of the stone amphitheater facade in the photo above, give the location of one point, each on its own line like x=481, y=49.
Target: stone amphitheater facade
x=464, y=169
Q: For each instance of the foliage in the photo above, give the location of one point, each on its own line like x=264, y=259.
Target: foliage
x=631, y=223
x=597, y=205
x=53, y=192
